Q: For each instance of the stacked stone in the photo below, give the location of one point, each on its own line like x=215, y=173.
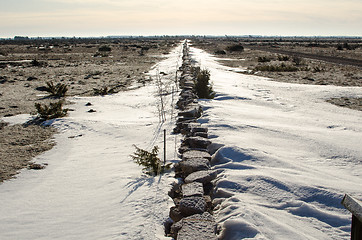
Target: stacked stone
x=191, y=214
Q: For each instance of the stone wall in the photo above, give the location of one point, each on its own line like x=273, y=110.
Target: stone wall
x=192, y=214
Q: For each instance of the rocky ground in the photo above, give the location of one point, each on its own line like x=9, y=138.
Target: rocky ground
x=284, y=61
x=86, y=66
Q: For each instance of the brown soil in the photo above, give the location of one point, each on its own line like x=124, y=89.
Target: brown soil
x=19, y=144
x=80, y=65
x=320, y=61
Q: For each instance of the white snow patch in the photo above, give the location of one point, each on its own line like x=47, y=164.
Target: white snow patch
x=289, y=156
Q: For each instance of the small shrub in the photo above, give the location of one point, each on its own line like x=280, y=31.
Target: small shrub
x=339, y=47
x=235, y=48
x=58, y=90
x=220, y=52
x=202, y=85
x=264, y=59
x=149, y=160
x=283, y=58
x=298, y=61
x=103, y=91
x=318, y=69
x=104, y=48
x=54, y=110
x=35, y=63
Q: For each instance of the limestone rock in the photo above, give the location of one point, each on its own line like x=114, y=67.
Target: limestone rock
x=192, y=205
x=201, y=176
x=193, y=111
x=197, y=142
x=192, y=189
x=175, y=214
x=193, y=165
x=196, y=154
x=198, y=226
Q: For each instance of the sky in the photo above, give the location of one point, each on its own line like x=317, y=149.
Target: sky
x=86, y=18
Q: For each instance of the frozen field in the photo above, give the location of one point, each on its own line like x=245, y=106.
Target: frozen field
x=289, y=157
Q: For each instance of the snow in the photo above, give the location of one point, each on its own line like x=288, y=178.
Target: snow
x=91, y=188
x=289, y=156
x=288, y=159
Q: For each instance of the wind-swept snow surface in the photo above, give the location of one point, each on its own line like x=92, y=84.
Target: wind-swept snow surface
x=289, y=157
x=92, y=189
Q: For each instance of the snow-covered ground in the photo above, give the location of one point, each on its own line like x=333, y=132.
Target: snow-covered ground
x=92, y=189
x=289, y=156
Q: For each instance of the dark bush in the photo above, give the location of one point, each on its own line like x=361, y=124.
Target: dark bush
x=103, y=91
x=104, y=48
x=264, y=59
x=58, y=90
x=202, y=85
x=298, y=61
x=220, y=52
x=54, y=110
x=283, y=58
x=235, y=48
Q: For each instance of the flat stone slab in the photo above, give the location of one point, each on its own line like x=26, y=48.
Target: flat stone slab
x=201, y=176
x=198, y=226
x=193, y=165
x=192, y=189
x=196, y=154
x=192, y=205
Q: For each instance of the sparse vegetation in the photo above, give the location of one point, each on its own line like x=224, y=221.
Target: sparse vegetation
x=58, y=90
x=104, y=48
x=264, y=59
x=103, y=91
x=150, y=161
x=277, y=68
x=51, y=111
x=283, y=58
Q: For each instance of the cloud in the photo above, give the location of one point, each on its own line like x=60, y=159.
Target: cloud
x=212, y=16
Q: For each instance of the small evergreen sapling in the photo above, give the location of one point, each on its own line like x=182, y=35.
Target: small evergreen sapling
x=149, y=160
x=203, y=88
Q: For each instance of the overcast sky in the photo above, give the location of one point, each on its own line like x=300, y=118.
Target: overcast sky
x=168, y=17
